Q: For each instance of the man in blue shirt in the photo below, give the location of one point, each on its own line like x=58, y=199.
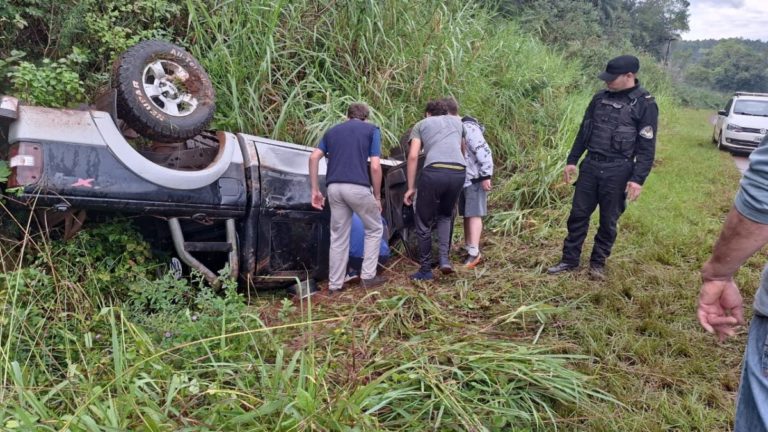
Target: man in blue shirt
x=348, y=146
x=720, y=304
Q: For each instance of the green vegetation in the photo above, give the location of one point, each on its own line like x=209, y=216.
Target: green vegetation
x=503, y=347
x=639, y=326
x=589, y=29
x=712, y=70
x=94, y=335
x=176, y=356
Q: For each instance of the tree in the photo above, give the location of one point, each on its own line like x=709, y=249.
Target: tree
x=655, y=23
x=733, y=66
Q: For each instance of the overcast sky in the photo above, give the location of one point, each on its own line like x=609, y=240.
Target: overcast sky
x=719, y=19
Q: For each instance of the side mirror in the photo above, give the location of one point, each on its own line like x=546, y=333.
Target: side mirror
x=721, y=112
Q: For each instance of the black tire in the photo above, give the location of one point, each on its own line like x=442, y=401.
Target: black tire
x=720, y=145
x=162, y=91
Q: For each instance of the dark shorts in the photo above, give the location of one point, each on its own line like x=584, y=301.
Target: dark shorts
x=473, y=201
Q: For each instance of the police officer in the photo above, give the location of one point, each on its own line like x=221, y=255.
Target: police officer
x=619, y=135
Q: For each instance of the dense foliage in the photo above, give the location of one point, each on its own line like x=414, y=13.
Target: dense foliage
x=95, y=336
x=725, y=65
x=591, y=28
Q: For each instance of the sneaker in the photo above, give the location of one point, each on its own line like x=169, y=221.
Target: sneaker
x=175, y=268
x=597, y=272
x=422, y=276
x=561, y=267
x=352, y=278
x=471, y=261
x=373, y=282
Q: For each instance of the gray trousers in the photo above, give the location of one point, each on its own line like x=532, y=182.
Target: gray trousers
x=344, y=199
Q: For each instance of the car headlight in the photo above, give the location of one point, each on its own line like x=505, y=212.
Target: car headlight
x=735, y=128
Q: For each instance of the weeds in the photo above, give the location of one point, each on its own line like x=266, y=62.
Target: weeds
x=204, y=361
x=504, y=348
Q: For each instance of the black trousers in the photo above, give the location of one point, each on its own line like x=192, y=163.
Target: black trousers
x=600, y=184
x=439, y=190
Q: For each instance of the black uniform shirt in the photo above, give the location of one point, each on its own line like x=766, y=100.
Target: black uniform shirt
x=645, y=145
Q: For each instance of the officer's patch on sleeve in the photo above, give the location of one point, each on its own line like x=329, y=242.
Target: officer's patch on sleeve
x=646, y=132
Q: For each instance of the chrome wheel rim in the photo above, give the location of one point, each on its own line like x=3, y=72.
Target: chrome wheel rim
x=163, y=83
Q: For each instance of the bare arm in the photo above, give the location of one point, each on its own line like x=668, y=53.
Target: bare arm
x=314, y=163
x=376, y=178
x=412, y=164
x=720, y=306
x=740, y=239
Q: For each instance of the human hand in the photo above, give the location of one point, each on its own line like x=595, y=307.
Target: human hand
x=408, y=197
x=378, y=204
x=318, y=200
x=570, y=173
x=633, y=190
x=720, y=307
x=486, y=185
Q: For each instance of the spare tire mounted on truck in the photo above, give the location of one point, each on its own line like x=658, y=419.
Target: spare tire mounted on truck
x=162, y=92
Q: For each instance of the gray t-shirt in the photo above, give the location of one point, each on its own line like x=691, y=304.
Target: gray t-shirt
x=441, y=139
x=752, y=203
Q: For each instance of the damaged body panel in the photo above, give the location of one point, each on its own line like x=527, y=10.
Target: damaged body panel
x=248, y=207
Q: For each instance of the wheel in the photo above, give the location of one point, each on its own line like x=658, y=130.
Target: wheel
x=720, y=145
x=410, y=243
x=162, y=91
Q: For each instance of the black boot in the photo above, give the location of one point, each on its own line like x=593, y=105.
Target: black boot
x=597, y=272
x=562, y=267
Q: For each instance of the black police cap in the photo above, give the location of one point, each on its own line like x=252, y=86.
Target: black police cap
x=619, y=66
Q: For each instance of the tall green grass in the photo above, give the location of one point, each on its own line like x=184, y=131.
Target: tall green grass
x=639, y=326
x=116, y=348
x=288, y=70
x=198, y=361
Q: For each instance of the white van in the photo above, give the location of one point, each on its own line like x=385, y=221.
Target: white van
x=743, y=123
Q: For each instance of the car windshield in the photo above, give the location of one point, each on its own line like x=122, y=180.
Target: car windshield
x=751, y=107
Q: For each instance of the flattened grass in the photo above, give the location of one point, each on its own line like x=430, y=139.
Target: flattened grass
x=639, y=326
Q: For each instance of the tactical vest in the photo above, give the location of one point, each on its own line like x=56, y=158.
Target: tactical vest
x=613, y=129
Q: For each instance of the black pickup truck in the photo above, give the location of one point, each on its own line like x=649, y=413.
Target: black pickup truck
x=219, y=198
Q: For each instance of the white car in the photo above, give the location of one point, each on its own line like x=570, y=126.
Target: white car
x=743, y=123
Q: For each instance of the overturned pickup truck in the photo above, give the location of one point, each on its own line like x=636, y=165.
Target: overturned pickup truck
x=219, y=198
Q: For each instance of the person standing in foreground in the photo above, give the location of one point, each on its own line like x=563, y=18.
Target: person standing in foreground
x=473, y=201
x=439, y=184
x=348, y=147
x=619, y=135
x=473, y=204
x=720, y=308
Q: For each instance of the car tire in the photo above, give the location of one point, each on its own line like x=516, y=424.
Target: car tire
x=720, y=145
x=163, y=93
x=410, y=243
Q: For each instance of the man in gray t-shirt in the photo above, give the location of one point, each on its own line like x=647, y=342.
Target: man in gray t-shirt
x=439, y=136
x=720, y=304
x=439, y=185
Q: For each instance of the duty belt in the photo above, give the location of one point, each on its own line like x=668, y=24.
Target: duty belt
x=601, y=158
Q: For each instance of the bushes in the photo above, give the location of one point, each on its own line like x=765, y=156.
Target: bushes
x=293, y=71
x=68, y=46
x=50, y=83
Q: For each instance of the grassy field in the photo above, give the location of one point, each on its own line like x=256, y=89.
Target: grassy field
x=637, y=329
x=639, y=326
x=504, y=347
